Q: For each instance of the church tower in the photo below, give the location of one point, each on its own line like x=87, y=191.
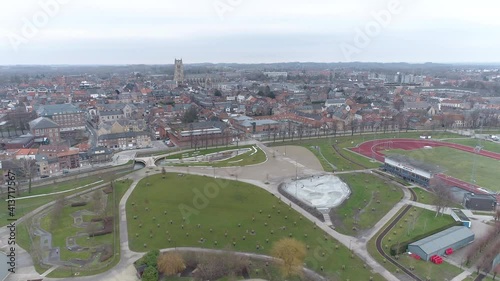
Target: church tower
x=178, y=72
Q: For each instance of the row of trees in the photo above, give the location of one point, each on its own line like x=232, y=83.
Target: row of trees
x=210, y=266
x=484, y=250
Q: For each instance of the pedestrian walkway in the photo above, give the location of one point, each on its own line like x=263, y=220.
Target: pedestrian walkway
x=49, y=271
x=462, y=276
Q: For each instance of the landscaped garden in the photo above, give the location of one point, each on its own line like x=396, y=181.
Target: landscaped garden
x=24, y=206
x=176, y=210
x=217, y=157
x=371, y=198
x=80, y=233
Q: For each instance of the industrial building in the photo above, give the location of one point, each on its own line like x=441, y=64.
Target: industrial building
x=410, y=169
x=480, y=202
x=446, y=241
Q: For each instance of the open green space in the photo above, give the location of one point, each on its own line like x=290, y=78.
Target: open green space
x=24, y=206
x=459, y=164
x=424, y=196
x=487, y=145
x=416, y=222
x=221, y=213
x=371, y=198
x=65, y=228
x=248, y=158
x=345, y=140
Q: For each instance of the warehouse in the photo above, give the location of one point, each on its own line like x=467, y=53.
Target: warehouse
x=446, y=241
x=410, y=169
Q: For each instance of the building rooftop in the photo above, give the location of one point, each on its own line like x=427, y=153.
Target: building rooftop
x=403, y=159
x=122, y=135
x=43, y=123
x=55, y=109
x=261, y=122
x=449, y=236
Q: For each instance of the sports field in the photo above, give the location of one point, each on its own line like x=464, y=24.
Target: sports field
x=459, y=164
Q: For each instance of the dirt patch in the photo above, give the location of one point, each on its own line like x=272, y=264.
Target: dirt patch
x=301, y=154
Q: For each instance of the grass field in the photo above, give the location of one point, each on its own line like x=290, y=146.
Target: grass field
x=252, y=218
x=371, y=198
x=424, y=196
x=459, y=164
x=487, y=145
x=417, y=221
x=329, y=155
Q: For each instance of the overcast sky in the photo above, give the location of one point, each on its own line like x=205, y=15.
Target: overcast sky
x=248, y=31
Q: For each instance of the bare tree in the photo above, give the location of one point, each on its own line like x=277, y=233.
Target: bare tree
x=443, y=198
x=496, y=270
x=171, y=263
x=29, y=169
x=56, y=212
x=98, y=202
x=292, y=253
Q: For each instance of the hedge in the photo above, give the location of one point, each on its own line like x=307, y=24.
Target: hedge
x=401, y=247
x=78, y=204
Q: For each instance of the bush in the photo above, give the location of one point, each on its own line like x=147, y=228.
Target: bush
x=78, y=204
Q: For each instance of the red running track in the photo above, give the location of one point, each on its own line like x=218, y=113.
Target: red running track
x=375, y=149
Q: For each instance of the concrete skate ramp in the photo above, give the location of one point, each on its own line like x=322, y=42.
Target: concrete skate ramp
x=321, y=192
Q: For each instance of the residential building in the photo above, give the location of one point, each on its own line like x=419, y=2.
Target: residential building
x=125, y=140
x=67, y=116
x=45, y=127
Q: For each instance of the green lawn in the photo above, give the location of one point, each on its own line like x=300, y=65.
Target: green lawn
x=371, y=198
x=459, y=164
x=415, y=222
x=424, y=196
x=252, y=218
x=347, y=141
x=25, y=206
x=487, y=145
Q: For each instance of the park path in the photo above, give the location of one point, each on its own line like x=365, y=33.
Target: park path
x=277, y=167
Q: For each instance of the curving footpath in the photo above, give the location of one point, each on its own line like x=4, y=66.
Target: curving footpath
x=280, y=167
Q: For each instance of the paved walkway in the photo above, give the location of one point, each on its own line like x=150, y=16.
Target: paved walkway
x=278, y=168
